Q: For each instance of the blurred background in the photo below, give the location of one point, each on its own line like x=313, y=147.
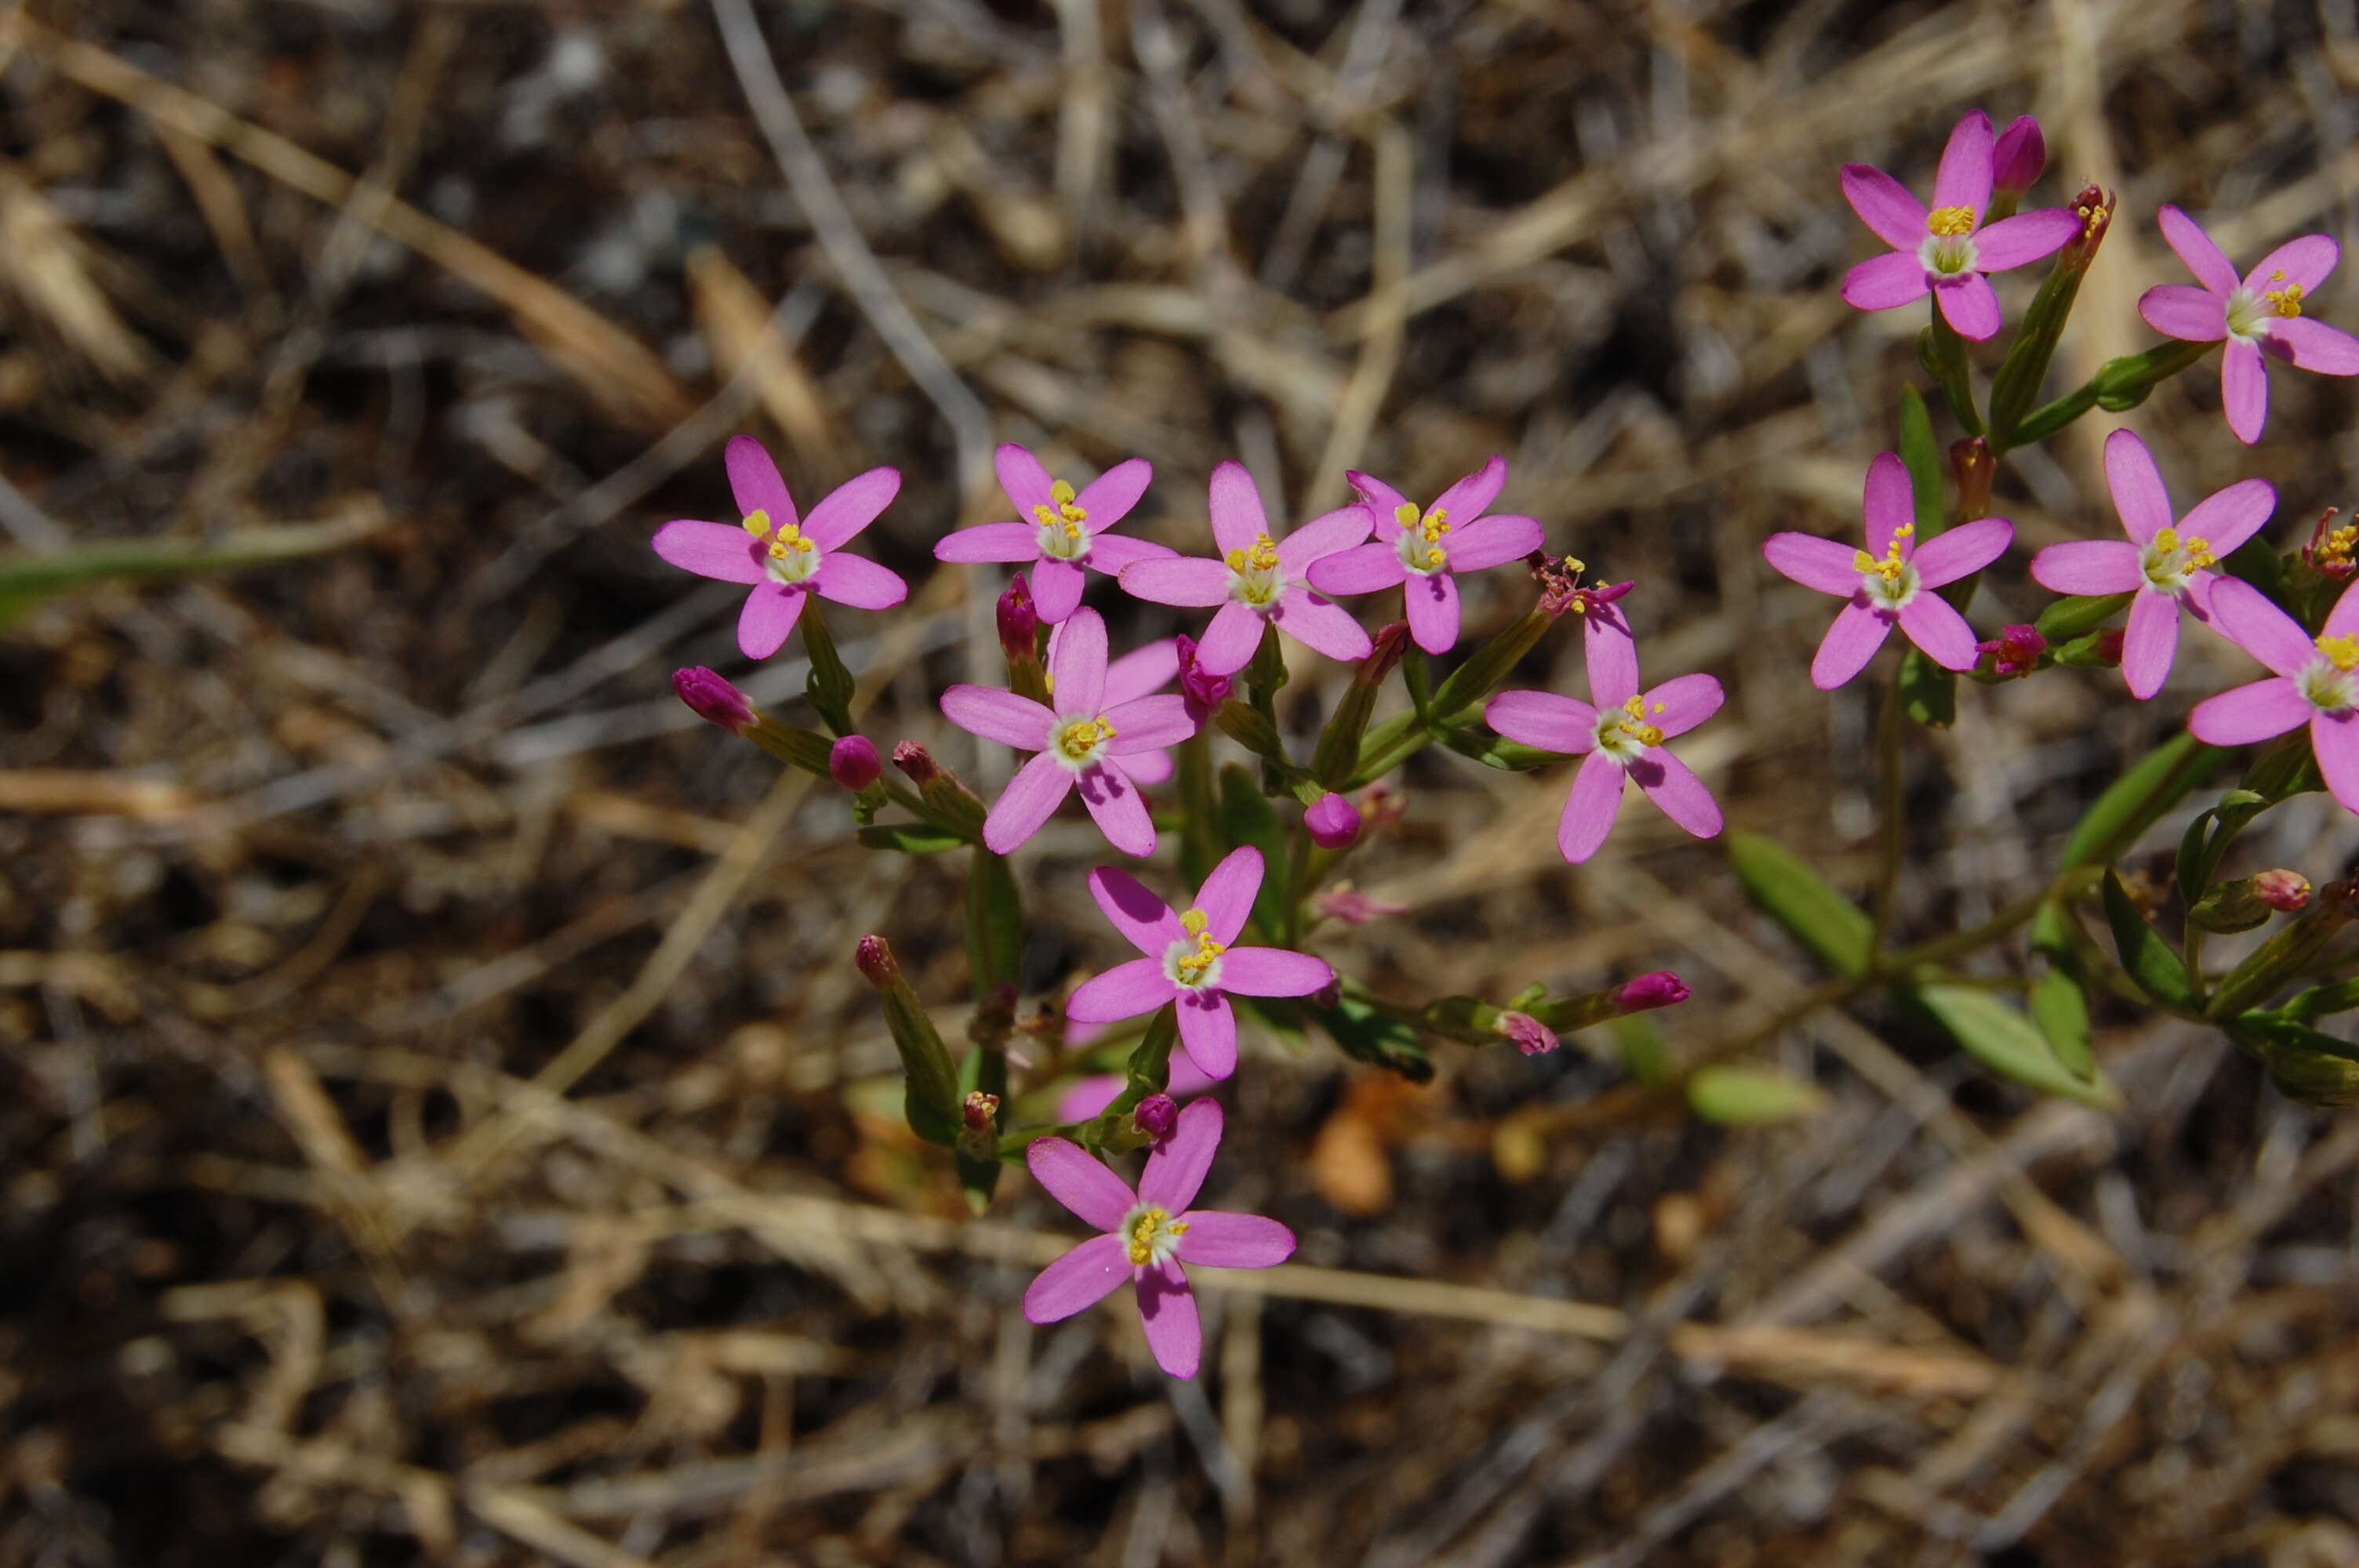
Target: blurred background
x=440, y=1120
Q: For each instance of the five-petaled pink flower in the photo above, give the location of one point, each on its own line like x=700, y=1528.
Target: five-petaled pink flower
x=2317, y=680
x=1421, y=551
x=783, y=558
x=1191, y=960
x=1061, y=531
x=1946, y=251
x=2259, y=314
x=1148, y=1235
x=1891, y=582
x=1081, y=740
x=1257, y=580
x=2166, y=562
x=1621, y=735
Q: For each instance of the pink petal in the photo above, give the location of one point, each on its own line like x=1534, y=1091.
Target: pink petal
x=1143, y=670
x=1237, y=516
x=1080, y=1279
x=1431, y=601
x=1130, y=987
x=1148, y=769
x=1813, y=562
x=2151, y=642
x=1590, y=807
x=2342, y=620
x=711, y=549
x=768, y=619
x=2183, y=311
x=1216, y=1239
x=1072, y=1174
x=1382, y=499
x=1850, y=642
x=2227, y=518
x=1117, y=553
x=754, y=482
x=1885, y=205
x=1316, y=623
x=2264, y=710
x=2248, y=618
x=2026, y=237
x=1025, y=480
x=1887, y=503
x=2184, y=235
x=1086, y=1098
x=1467, y=500
x=1175, y=1171
x=1363, y=568
x=2136, y=483
x=1109, y=497
x=1149, y=724
x=1030, y=798
x=1610, y=656
x=1273, y=971
x=1145, y=921
x=1493, y=541
x=1687, y=701
x=1970, y=304
x=2088, y=566
x=1056, y=590
x=1962, y=551
x=1965, y=177
x=2312, y=345
x=1168, y=1309
x=1001, y=716
x=2306, y=261
x=1208, y=1030
x=859, y=582
x=1227, y=896
x=1114, y=805
x=1322, y=537
x=852, y=506
x=1077, y=665
x=1230, y=641
x=1670, y=786
x=1885, y=282
x=1543, y=718
x=1189, y=582
x=2244, y=390
x=1933, y=625
x=2334, y=741
x=990, y=542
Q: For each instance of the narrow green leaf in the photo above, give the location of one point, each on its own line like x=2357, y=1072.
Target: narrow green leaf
x=1367, y=1034
x=1929, y=694
x=2000, y=1037
x=1499, y=752
x=909, y=837
x=2340, y=997
x=1793, y=894
x=1923, y=459
x=2058, y=998
x=2146, y=957
x=829, y=685
x=2079, y=615
x=28, y=576
x=995, y=923
x=1751, y=1097
x=1248, y=817
x=2132, y=803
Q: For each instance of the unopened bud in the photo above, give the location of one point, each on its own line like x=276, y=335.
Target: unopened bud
x=1532, y=1037
x=978, y=1133
x=1019, y=623
x=874, y=957
x=2108, y=649
x=1384, y=654
x=2018, y=157
x=1156, y=1115
x=714, y=700
x=854, y=763
x=1333, y=822
x=978, y=1110
x=2286, y=891
x=1204, y=692
x=2013, y=651
x=1660, y=988
x=917, y=762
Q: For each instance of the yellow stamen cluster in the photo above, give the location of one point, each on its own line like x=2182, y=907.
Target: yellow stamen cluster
x=1144, y=1229
x=789, y=537
x=1262, y=557
x=1079, y=740
x=1634, y=724
x=1950, y=221
x=2198, y=549
x=1890, y=567
x=2338, y=545
x=1430, y=528
x=1191, y=966
x=2091, y=215
x=2286, y=301
x=1061, y=511
x=2341, y=651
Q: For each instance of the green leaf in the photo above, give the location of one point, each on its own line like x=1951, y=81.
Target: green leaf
x=1148, y=1072
x=829, y=685
x=909, y=837
x=2279, y=1030
x=1793, y=894
x=2132, y=803
x=1929, y=694
x=28, y=576
x=2340, y=997
x=2000, y=1037
x=1499, y=752
x=1368, y=1035
x=1248, y=817
x=2020, y=373
x=1751, y=1097
x=2287, y=952
x=995, y=923
x=1492, y=662
x=2308, y=1066
x=2077, y=616
x=2058, y=998
x=2146, y=957
x=1923, y=459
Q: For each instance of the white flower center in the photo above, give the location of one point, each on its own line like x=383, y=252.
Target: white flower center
x=2168, y=560
x=1420, y=544
x=1891, y=582
x=1255, y=577
x=1080, y=741
x=1948, y=250
x=1195, y=963
x=1151, y=1234
x=2248, y=315
x=2330, y=681
x=788, y=557
x=1623, y=732
x=1064, y=535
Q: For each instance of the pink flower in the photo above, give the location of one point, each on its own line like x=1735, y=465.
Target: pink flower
x=2259, y=314
x=1190, y=959
x=1659, y=989
x=2317, y=680
x=1333, y=822
x=785, y=560
x=1891, y=582
x=1088, y=1096
x=853, y=762
x=1061, y=531
x=1422, y=551
x=1148, y=1235
x=715, y=698
x=1257, y=580
x=2019, y=154
x=1081, y=742
x=2165, y=561
x=1532, y=1037
x=1622, y=736
x=1946, y=251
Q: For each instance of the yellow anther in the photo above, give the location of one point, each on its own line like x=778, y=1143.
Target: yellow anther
x=2341, y=651
x=1151, y=1224
x=1891, y=566
x=1262, y=557
x=1080, y=739
x=1406, y=515
x=2340, y=544
x=1950, y=221
x=2195, y=549
x=1633, y=723
x=757, y=523
x=1435, y=556
x=2286, y=301
x=1193, y=922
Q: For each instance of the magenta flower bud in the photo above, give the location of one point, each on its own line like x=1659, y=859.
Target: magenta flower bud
x=1532, y=1037
x=854, y=762
x=2109, y=647
x=1019, y=622
x=1334, y=821
x=874, y=957
x=1156, y=1115
x=2017, y=158
x=1204, y=691
x=2013, y=651
x=917, y=762
x=714, y=700
x=2288, y=892
x=1662, y=988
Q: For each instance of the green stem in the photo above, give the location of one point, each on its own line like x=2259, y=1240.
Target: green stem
x=1945, y=358
x=1892, y=822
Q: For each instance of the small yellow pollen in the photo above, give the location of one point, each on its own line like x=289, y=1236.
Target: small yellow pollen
x=2341, y=651
x=2196, y=548
x=1079, y=740
x=757, y=523
x=1144, y=1229
x=1950, y=221
x=1193, y=922
x=1262, y=557
x=2341, y=544
x=1191, y=966
x=1891, y=568
x=2286, y=301
x=1633, y=723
